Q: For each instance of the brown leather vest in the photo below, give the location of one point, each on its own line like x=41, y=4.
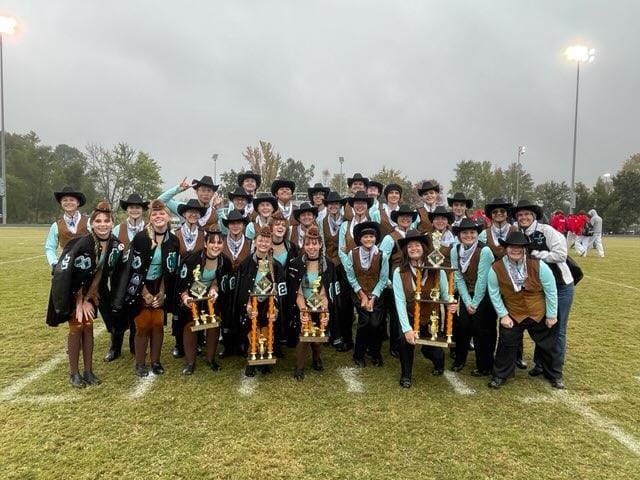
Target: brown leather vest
x=529, y=301
x=244, y=253
x=330, y=242
x=213, y=219
x=366, y=278
x=123, y=234
x=295, y=236
x=385, y=222
x=348, y=212
x=471, y=275
x=396, y=253
x=409, y=293
x=198, y=247
x=65, y=235
x=424, y=225
x=498, y=250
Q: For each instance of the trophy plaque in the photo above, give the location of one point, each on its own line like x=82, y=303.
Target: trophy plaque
x=439, y=328
x=310, y=331
x=202, y=305
x=261, y=339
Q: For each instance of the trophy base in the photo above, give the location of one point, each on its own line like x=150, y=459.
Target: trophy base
x=262, y=361
x=440, y=342
x=313, y=339
x=205, y=326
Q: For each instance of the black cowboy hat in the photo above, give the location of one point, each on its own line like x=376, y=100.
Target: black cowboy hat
x=360, y=197
x=460, y=197
x=317, y=188
x=440, y=211
x=392, y=186
x=205, y=181
x=281, y=183
x=265, y=197
x=70, y=192
x=357, y=177
x=466, y=224
x=515, y=238
x=249, y=174
x=374, y=183
x=413, y=236
x=366, y=227
x=403, y=210
x=428, y=185
x=305, y=207
x=134, y=199
x=526, y=205
x=499, y=202
x=192, y=204
x=234, y=216
x=239, y=192
x=334, y=197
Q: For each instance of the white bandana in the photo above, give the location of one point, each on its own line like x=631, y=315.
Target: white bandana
x=499, y=233
x=72, y=222
x=366, y=256
x=465, y=255
x=402, y=233
x=286, y=211
x=517, y=272
x=447, y=238
x=334, y=224
x=301, y=234
x=235, y=246
x=133, y=229
x=205, y=218
x=428, y=208
x=188, y=236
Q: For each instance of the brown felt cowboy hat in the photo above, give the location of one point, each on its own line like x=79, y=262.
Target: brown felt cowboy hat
x=440, y=211
x=499, y=202
x=134, y=199
x=249, y=174
x=366, y=227
x=357, y=177
x=466, y=224
x=460, y=197
x=205, y=181
x=360, y=196
x=413, y=236
x=403, y=210
x=70, y=192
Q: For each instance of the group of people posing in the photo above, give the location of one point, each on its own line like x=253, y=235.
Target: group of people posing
x=365, y=258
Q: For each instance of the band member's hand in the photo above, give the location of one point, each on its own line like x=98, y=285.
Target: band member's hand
x=370, y=303
x=213, y=293
x=550, y=322
x=249, y=309
x=363, y=299
x=410, y=337
x=217, y=201
x=452, y=308
x=506, y=321
x=184, y=184
x=187, y=300
x=158, y=300
x=471, y=309
x=88, y=312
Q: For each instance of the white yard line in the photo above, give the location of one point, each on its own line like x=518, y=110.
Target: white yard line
x=20, y=260
x=617, y=284
x=248, y=385
x=38, y=399
x=10, y=392
x=458, y=385
x=143, y=385
x=350, y=377
x=599, y=398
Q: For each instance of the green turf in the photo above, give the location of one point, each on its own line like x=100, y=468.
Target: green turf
x=202, y=427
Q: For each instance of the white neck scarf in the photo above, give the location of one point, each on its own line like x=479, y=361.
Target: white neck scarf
x=334, y=223
x=205, y=218
x=517, y=272
x=531, y=228
x=428, y=208
x=447, y=238
x=235, y=246
x=133, y=229
x=301, y=234
x=499, y=233
x=189, y=236
x=286, y=210
x=465, y=255
x=402, y=233
x=366, y=255
x=72, y=222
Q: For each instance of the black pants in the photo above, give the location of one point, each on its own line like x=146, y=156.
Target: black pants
x=546, y=343
x=369, y=332
x=435, y=354
x=394, y=321
x=481, y=326
x=346, y=317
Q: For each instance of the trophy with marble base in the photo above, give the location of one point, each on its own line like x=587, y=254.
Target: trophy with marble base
x=314, y=331
x=261, y=339
x=202, y=305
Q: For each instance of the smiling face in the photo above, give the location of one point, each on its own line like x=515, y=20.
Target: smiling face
x=192, y=216
x=134, y=212
x=235, y=228
x=215, y=244
x=459, y=209
x=499, y=215
x=515, y=252
x=373, y=191
x=440, y=222
x=317, y=199
x=368, y=240
x=204, y=194
x=239, y=203
x=278, y=229
x=360, y=208
x=357, y=186
x=415, y=250
x=312, y=248
x=525, y=218
x=250, y=185
x=404, y=221
x=306, y=218
x=467, y=237
x=69, y=204
x=102, y=225
x=429, y=197
x=333, y=207
x=265, y=209
x=263, y=245
x=159, y=219
x=284, y=194
x=393, y=197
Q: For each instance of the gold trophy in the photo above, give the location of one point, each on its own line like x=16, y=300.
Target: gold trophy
x=439, y=329
x=202, y=319
x=436, y=258
x=261, y=339
x=310, y=331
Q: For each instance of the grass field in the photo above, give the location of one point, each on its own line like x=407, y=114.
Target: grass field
x=340, y=423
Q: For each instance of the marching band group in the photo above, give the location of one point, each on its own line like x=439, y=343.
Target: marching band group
x=364, y=259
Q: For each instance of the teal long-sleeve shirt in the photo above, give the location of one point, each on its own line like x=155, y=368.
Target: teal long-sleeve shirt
x=342, y=234
x=480, y=289
x=548, y=285
x=401, y=299
x=353, y=281
x=51, y=243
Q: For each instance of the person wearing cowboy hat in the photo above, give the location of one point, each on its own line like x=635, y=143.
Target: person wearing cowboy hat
x=80, y=287
x=317, y=194
x=249, y=182
x=392, y=194
x=206, y=194
x=523, y=292
x=440, y=226
x=497, y=210
x=357, y=183
x=402, y=218
x=135, y=206
x=476, y=318
x=309, y=268
x=239, y=200
x=283, y=191
x=305, y=216
x=374, y=189
x=550, y=246
x=429, y=192
x=459, y=204
x=368, y=273
x=72, y=224
x=264, y=205
x=414, y=250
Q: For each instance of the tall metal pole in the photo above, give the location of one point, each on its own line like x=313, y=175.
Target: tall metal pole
x=341, y=160
x=575, y=136
x=2, y=144
x=215, y=167
x=518, y=176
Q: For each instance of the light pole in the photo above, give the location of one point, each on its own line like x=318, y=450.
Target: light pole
x=578, y=54
x=215, y=167
x=341, y=160
x=7, y=27
x=521, y=151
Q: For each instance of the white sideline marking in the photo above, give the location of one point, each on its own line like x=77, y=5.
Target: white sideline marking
x=617, y=284
x=248, y=385
x=143, y=386
x=458, y=385
x=10, y=392
x=348, y=374
x=638, y=378
x=600, y=397
x=45, y=399
x=578, y=404
x=21, y=260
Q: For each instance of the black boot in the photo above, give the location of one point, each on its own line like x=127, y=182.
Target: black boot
x=115, y=350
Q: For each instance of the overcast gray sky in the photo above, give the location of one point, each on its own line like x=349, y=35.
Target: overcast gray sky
x=414, y=85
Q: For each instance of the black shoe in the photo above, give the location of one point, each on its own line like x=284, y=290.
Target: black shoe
x=394, y=353
x=521, y=364
x=177, y=352
x=298, y=374
x=76, y=381
x=112, y=355
x=345, y=347
x=91, y=379
x=437, y=372
x=157, y=368
x=456, y=368
x=497, y=382
x=278, y=353
x=214, y=366
x=188, y=369
x=142, y=371
x=405, y=382
x=250, y=371
x=536, y=371
x=360, y=363
x=317, y=365
x=266, y=369
x=557, y=383
x=337, y=343
x=480, y=373
x=377, y=362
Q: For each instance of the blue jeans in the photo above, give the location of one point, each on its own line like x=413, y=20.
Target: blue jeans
x=565, y=300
